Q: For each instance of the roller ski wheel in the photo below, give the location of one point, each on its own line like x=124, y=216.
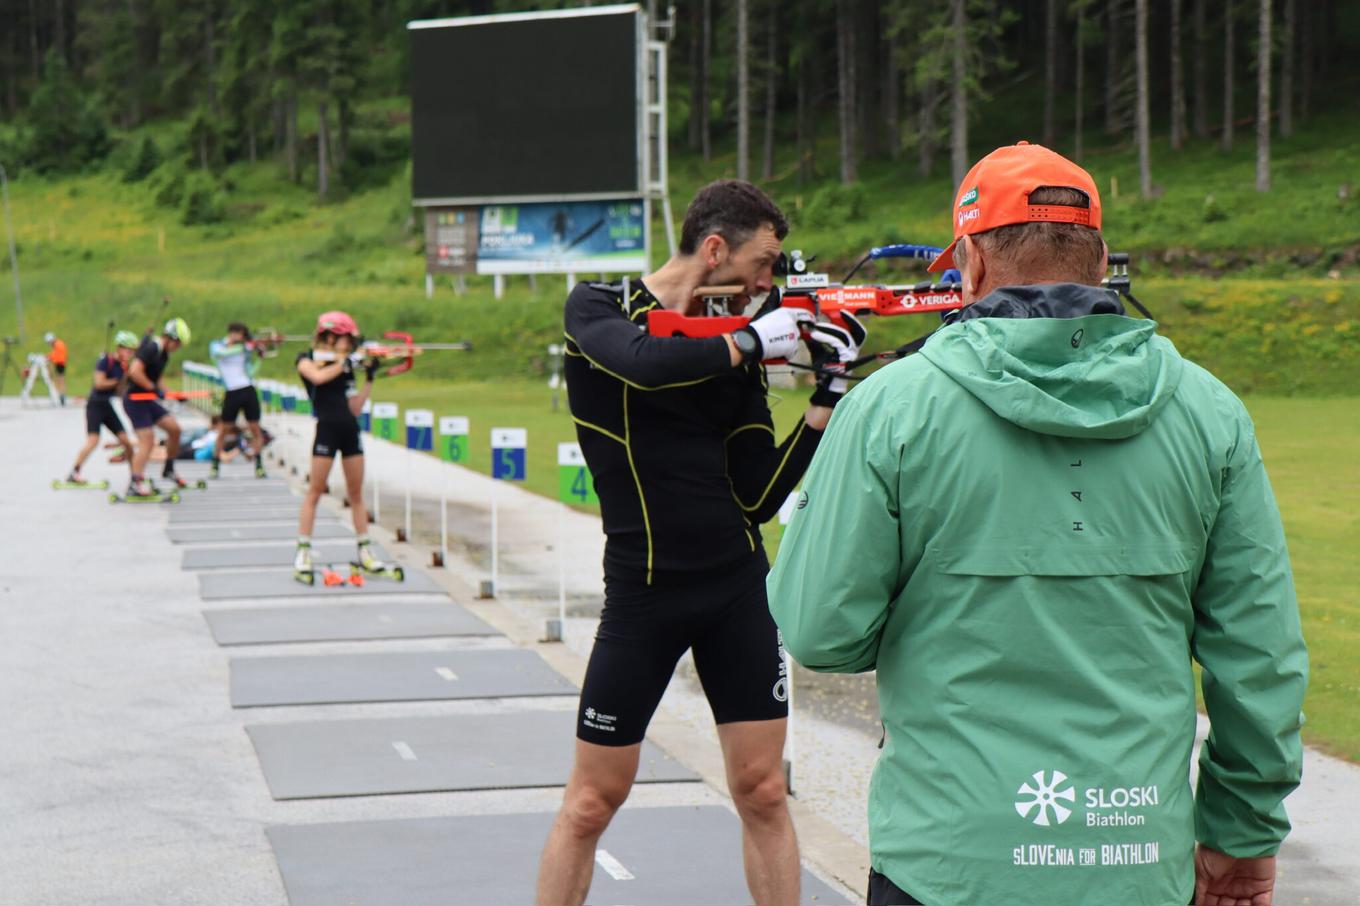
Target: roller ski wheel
x=379, y=570
x=60, y=484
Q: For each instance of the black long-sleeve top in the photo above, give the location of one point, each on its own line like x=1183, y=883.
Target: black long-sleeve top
x=681, y=444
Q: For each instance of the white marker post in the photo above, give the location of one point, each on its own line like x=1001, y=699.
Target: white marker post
x=419, y=437
x=574, y=485
x=507, y=464
x=384, y=420
x=453, y=447
x=786, y=511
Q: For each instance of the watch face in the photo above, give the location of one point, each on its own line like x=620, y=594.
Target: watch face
x=746, y=343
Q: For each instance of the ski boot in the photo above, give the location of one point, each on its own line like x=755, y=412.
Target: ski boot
x=259, y=468
x=375, y=567
x=215, y=470
x=182, y=485
x=142, y=491
x=302, y=564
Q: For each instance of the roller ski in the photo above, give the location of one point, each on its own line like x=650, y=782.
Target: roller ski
x=143, y=492
x=371, y=565
x=179, y=484
x=74, y=482
x=302, y=564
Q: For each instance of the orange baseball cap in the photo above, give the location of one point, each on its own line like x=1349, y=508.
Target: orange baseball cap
x=995, y=193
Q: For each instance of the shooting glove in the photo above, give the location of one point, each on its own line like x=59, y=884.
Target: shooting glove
x=832, y=346
x=778, y=332
x=371, y=367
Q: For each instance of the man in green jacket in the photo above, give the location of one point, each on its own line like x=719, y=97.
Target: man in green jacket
x=1030, y=530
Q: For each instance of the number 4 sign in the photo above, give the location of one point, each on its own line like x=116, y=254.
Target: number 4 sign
x=574, y=484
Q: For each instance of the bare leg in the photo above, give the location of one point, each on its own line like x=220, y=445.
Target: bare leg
x=353, y=467
x=600, y=782
x=146, y=439
x=256, y=448
x=129, y=447
x=171, y=429
x=91, y=441
x=753, y=752
x=316, y=486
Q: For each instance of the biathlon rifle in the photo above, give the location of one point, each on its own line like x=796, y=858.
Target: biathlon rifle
x=396, y=350
x=827, y=301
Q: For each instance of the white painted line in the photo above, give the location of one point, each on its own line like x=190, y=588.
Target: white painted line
x=446, y=673
x=612, y=865
x=404, y=751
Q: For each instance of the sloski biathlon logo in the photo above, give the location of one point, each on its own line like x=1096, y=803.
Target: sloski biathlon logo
x=1043, y=796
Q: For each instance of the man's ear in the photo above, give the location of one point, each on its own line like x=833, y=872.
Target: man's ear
x=713, y=250
x=976, y=268
x=1104, y=261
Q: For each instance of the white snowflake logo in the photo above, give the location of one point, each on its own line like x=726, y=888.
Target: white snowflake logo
x=1045, y=796
x=590, y=713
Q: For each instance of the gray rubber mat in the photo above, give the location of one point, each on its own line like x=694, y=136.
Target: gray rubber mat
x=674, y=856
x=271, y=555
x=391, y=676
x=270, y=583
x=225, y=497
x=317, y=759
x=341, y=622
x=326, y=527
x=215, y=515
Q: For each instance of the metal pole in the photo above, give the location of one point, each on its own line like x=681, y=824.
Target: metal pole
x=13, y=256
x=495, y=493
x=409, y=454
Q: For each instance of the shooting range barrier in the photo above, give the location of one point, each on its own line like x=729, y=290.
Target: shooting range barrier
x=674, y=856
x=342, y=623
x=522, y=749
x=399, y=676
x=277, y=555
x=265, y=583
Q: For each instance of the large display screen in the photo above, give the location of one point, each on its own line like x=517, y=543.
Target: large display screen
x=526, y=106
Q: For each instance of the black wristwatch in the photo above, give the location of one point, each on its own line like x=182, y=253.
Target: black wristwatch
x=748, y=344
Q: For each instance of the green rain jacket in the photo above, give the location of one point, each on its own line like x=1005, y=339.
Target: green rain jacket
x=1029, y=530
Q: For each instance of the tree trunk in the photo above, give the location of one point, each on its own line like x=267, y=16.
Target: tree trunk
x=958, y=157
x=1142, y=126
x=1050, y=71
x=290, y=134
x=696, y=73
x=1112, y=45
x=323, y=164
x=1201, y=73
x=927, y=129
x=771, y=95
x=806, y=133
x=344, y=118
x=705, y=127
x=1079, y=89
x=1177, y=79
x=1227, y=77
x=1306, y=45
x=1263, y=55
x=892, y=101
x=210, y=61
x=743, y=90
x=1286, y=100
x=845, y=88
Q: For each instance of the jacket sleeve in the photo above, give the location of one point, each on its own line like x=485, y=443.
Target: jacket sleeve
x=838, y=566
x=761, y=473
x=597, y=325
x=1248, y=639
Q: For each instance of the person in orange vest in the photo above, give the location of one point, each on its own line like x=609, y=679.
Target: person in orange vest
x=58, y=359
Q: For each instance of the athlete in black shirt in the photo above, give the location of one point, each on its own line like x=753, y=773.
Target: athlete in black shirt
x=145, y=376
x=109, y=373
x=327, y=373
x=679, y=439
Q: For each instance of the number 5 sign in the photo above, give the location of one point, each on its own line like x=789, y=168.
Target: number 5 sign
x=507, y=453
x=574, y=484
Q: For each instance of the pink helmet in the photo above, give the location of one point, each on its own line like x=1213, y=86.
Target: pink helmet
x=337, y=322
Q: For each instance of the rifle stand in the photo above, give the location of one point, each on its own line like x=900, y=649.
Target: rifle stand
x=37, y=367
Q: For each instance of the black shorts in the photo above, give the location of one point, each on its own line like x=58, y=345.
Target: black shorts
x=338, y=437
x=101, y=414
x=59, y=369
x=143, y=413
x=242, y=400
x=643, y=632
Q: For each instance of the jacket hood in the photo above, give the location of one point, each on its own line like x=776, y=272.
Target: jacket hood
x=1060, y=359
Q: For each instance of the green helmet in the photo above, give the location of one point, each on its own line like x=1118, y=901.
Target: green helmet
x=176, y=329
x=126, y=339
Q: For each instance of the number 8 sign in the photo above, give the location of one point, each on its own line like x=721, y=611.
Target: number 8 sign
x=574, y=484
